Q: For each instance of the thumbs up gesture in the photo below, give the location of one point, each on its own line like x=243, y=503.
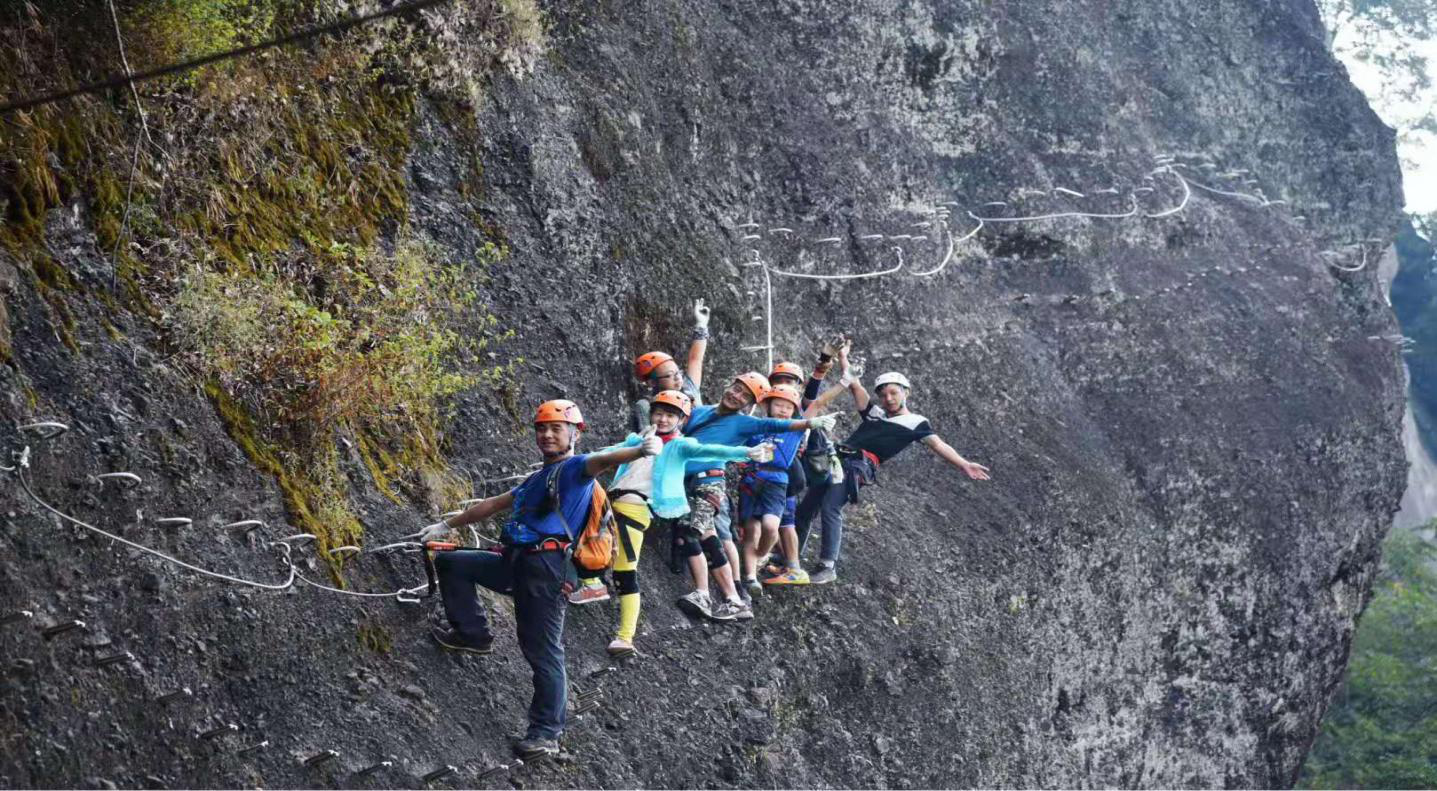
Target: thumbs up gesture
x=649, y=443
x=761, y=453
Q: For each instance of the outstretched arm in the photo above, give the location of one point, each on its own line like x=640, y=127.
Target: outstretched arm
x=609, y=458
x=945, y=452
x=478, y=512
x=700, y=343
x=821, y=403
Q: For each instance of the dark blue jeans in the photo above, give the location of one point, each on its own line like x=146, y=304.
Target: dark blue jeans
x=535, y=581
x=826, y=501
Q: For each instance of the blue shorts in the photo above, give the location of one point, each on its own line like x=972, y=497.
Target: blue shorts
x=759, y=498
x=790, y=510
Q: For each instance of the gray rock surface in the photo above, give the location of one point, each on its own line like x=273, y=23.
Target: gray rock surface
x=1195, y=443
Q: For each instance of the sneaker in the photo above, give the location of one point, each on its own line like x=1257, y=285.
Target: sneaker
x=696, y=603
x=729, y=610
x=754, y=587
x=621, y=648
x=823, y=576
x=534, y=747
x=450, y=638
x=771, y=570
x=789, y=577
x=590, y=593
x=744, y=612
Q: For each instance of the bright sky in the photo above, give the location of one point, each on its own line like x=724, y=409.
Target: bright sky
x=1418, y=151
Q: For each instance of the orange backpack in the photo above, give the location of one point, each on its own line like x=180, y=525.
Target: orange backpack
x=592, y=549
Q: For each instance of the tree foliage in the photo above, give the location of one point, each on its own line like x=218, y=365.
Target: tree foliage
x=1381, y=731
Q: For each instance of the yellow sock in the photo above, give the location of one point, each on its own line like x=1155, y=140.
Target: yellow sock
x=628, y=616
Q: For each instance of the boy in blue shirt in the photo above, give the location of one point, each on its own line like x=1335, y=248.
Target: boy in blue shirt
x=763, y=491
x=534, y=566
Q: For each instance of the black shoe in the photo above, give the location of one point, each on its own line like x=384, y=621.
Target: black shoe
x=532, y=748
x=452, y=639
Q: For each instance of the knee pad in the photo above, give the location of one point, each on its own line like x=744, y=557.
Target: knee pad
x=627, y=582
x=713, y=550
x=689, y=548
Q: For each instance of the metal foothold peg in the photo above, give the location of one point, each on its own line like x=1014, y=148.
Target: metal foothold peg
x=253, y=748
x=750, y=237
x=298, y=538
x=491, y=771
x=320, y=758
x=780, y=230
x=114, y=659
x=246, y=525
x=373, y=768
x=469, y=502
x=182, y=692
x=448, y=514
x=218, y=731
x=125, y=480
x=45, y=429
x=586, y=709
x=344, y=550
x=443, y=771
x=61, y=628
x=174, y=521
x=18, y=615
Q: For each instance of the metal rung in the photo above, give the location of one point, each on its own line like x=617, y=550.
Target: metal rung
x=126, y=480
x=443, y=771
x=490, y=772
x=174, y=521
x=218, y=731
x=372, y=768
x=320, y=758
x=253, y=748
x=182, y=692
x=61, y=628
x=298, y=538
x=448, y=514
x=348, y=549
x=114, y=659
x=45, y=429
x=18, y=615
x=244, y=524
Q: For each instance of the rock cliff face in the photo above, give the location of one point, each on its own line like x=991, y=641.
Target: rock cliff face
x=1194, y=437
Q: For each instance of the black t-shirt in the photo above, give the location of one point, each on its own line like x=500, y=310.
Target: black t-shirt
x=885, y=436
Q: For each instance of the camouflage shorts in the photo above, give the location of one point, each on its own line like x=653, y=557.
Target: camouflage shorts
x=708, y=511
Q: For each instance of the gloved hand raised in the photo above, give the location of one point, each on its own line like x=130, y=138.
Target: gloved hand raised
x=824, y=422
x=650, y=443
x=761, y=453
x=701, y=314
x=435, y=531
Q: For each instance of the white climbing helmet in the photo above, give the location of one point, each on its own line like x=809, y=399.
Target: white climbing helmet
x=892, y=378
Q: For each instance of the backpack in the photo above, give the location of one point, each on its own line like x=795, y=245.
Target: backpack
x=592, y=548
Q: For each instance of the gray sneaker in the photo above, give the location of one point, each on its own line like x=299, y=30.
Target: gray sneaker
x=534, y=747
x=729, y=610
x=745, y=612
x=823, y=576
x=755, y=588
x=696, y=603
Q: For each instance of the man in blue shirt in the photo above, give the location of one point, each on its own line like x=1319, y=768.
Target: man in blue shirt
x=534, y=566
x=723, y=424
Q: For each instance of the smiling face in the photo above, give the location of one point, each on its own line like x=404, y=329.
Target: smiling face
x=737, y=397
x=666, y=377
x=892, y=398
x=555, y=439
x=665, y=418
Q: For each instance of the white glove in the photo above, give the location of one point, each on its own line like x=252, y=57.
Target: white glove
x=761, y=453
x=650, y=444
x=435, y=531
x=701, y=314
x=824, y=422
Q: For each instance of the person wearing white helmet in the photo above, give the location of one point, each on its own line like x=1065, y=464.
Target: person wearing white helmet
x=887, y=427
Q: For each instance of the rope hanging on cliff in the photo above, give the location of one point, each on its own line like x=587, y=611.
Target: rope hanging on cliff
x=175, y=68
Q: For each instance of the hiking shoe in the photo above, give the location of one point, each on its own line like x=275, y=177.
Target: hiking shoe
x=789, y=577
x=696, y=603
x=771, y=570
x=823, y=576
x=744, y=612
x=621, y=648
x=588, y=594
x=754, y=587
x=534, y=747
x=450, y=638
x=729, y=610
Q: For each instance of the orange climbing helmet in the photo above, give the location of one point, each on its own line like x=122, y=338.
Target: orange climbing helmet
x=646, y=364
x=788, y=393
x=786, y=369
x=560, y=410
x=675, y=399
x=756, y=383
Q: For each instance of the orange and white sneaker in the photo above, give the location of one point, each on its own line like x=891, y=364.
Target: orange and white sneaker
x=590, y=592
x=789, y=577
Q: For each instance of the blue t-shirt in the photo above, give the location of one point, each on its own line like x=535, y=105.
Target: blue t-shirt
x=534, y=518
x=785, y=450
x=710, y=428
